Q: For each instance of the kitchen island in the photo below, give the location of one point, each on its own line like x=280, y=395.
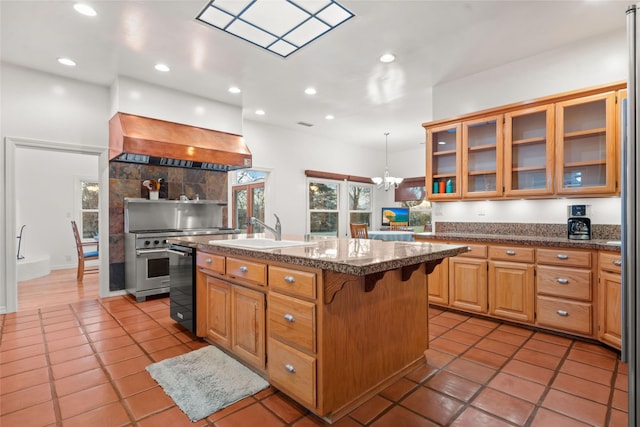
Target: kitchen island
x=329, y=322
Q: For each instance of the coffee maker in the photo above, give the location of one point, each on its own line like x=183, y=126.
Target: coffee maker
x=578, y=224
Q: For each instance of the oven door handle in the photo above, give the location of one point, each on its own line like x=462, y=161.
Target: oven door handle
x=141, y=252
x=171, y=251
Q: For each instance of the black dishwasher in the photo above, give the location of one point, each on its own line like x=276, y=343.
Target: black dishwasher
x=182, y=283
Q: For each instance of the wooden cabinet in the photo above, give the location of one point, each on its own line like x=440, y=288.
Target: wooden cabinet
x=444, y=161
x=511, y=283
x=564, y=296
x=248, y=320
x=234, y=314
x=529, y=151
x=292, y=325
x=610, y=298
x=468, y=280
x=566, y=144
x=482, y=157
x=438, y=283
x=586, y=145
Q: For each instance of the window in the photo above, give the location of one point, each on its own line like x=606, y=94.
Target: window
x=323, y=207
x=248, y=199
x=89, y=191
x=360, y=204
x=335, y=204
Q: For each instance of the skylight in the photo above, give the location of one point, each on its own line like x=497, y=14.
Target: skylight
x=280, y=26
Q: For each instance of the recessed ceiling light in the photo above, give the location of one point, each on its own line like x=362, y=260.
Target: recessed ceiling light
x=85, y=9
x=329, y=117
x=234, y=89
x=310, y=91
x=260, y=112
x=387, y=57
x=162, y=67
x=68, y=62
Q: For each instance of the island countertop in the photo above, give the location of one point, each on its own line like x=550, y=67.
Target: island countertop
x=343, y=255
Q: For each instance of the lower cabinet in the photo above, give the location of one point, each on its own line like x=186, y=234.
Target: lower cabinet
x=511, y=290
x=610, y=298
x=468, y=284
x=235, y=319
x=438, y=282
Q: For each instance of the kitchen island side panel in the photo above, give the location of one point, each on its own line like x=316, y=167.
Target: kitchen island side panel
x=368, y=337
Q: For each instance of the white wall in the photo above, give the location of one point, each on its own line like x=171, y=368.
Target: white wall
x=46, y=202
x=136, y=97
x=588, y=63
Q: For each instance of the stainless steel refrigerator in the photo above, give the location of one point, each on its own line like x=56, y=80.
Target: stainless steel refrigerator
x=630, y=217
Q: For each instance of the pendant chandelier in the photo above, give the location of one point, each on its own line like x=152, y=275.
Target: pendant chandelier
x=387, y=181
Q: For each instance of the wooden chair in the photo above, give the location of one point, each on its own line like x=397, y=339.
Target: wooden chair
x=359, y=231
x=395, y=226
x=82, y=255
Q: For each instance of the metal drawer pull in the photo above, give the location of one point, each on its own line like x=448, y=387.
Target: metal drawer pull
x=289, y=279
x=289, y=318
x=290, y=368
x=511, y=252
x=617, y=262
x=243, y=268
x=562, y=313
x=562, y=281
x=562, y=256
x=208, y=261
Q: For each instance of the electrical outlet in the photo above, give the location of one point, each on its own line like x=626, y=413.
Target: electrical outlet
x=480, y=210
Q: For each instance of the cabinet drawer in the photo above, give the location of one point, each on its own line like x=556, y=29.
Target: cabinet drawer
x=475, y=251
x=210, y=262
x=564, y=282
x=610, y=261
x=293, y=282
x=254, y=272
x=293, y=320
x=512, y=253
x=560, y=256
x=292, y=371
x=567, y=315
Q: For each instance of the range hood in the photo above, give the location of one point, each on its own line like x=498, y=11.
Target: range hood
x=137, y=139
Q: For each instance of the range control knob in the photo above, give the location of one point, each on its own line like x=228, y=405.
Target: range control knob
x=165, y=241
x=147, y=243
x=155, y=242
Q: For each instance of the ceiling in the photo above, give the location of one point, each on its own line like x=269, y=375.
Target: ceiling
x=434, y=42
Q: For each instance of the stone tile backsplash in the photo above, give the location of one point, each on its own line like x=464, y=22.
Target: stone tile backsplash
x=598, y=231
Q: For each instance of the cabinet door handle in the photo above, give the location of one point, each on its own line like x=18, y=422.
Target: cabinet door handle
x=289, y=279
x=562, y=256
x=617, y=262
x=510, y=252
x=562, y=280
x=208, y=261
x=289, y=318
x=244, y=268
x=290, y=368
x=562, y=313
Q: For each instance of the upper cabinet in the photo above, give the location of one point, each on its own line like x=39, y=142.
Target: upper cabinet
x=558, y=146
x=585, y=145
x=444, y=161
x=482, y=157
x=529, y=151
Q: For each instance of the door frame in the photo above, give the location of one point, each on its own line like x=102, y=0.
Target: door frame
x=8, y=260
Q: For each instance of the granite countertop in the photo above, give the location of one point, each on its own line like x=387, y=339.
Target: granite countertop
x=599, y=244
x=350, y=256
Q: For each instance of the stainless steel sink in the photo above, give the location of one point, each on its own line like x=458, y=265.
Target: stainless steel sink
x=260, y=243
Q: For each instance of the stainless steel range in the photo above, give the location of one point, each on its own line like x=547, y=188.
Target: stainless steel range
x=148, y=226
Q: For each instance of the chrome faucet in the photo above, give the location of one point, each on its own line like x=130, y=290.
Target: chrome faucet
x=277, y=232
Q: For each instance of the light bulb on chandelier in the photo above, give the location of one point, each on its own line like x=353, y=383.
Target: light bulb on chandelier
x=386, y=181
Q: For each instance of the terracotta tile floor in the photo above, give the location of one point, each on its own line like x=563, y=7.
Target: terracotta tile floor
x=83, y=364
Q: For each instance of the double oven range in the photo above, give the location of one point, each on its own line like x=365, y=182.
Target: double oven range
x=152, y=267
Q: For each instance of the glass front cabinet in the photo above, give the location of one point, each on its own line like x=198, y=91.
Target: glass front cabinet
x=585, y=145
x=558, y=146
x=482, y=158
x=444, y=162
x=529, y=151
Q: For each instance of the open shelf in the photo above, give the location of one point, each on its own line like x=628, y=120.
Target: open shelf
x=484, y=172
x=541, y=140
x=585, y=133
x=529, y=168
x=586, y=163
x=483, y=147
x=444, y=153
